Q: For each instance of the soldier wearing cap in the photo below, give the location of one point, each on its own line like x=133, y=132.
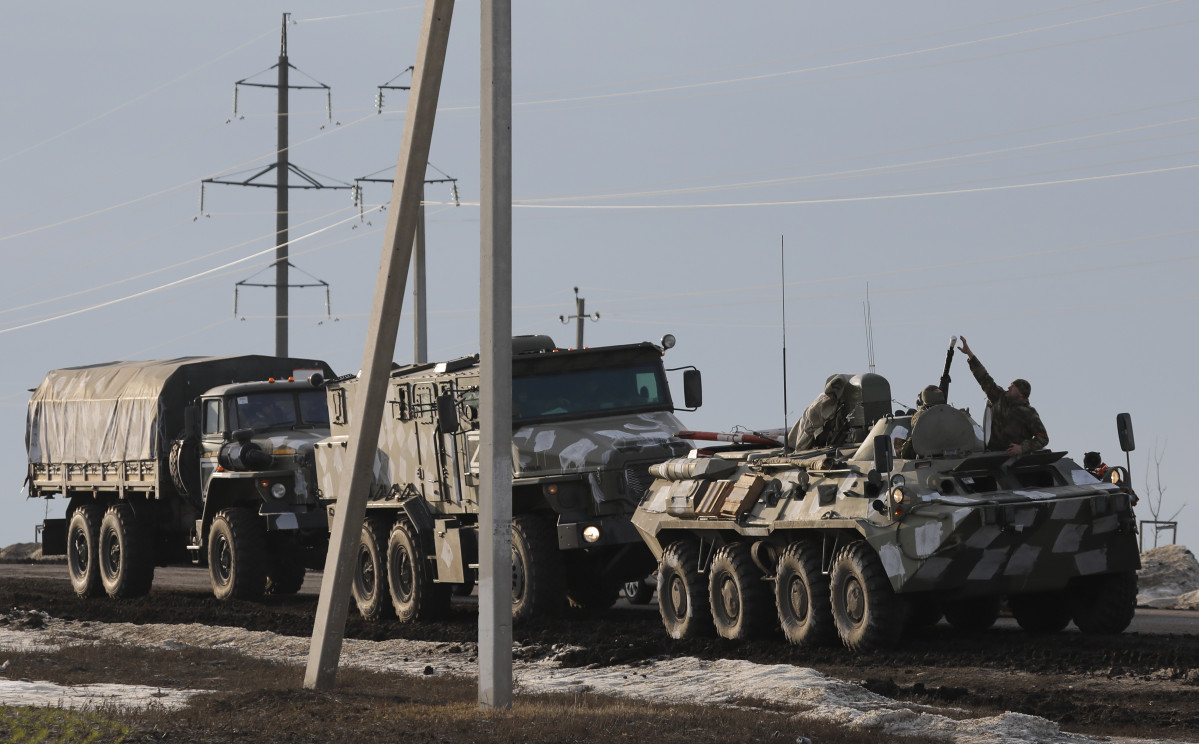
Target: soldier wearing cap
x=930, y=396
x=1016, y=427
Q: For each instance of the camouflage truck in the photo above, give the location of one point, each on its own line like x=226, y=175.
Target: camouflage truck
x=587, y=424
x=201, y=457
x=847, y=541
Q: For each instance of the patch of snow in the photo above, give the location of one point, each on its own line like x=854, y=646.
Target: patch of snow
x=1168, y=579
x=79, y=697
x=810, y=694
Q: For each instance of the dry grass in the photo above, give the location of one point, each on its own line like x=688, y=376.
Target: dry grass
x=262, y=702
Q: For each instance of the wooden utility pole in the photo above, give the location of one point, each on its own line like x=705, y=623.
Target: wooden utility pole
x=366, y=416
x=495, y=359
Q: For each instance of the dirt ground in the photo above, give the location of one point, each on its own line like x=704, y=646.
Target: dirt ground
x=1132, y=685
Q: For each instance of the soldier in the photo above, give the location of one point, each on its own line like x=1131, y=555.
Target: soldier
x=1015, y=428
x=818, y=423
x=930, y=396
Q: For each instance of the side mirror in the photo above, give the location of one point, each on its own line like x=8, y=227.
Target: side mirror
x=1124, y=430
x=693, y=389
x=191, y=421
x=883, y=457
x=447, y=413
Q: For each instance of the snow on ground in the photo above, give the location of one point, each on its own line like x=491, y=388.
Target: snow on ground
x=1169, y=578
x=722, y=682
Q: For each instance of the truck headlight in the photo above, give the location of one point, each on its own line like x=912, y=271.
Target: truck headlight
x=591, y=533
x=278, y=490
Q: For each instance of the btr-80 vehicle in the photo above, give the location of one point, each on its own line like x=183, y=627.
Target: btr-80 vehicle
x=850, y=541
x=587, y=424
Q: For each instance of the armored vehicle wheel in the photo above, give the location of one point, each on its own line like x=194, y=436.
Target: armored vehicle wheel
x=126, y=557
x=83, y=533
x=236, y=555
x=414, y=595
x=538, y=581
x=638, y=592
x=370, y=572
x=683, y=593
x=865, y=609
x=1105, y=604
x=1046, y=612
x=973, y=614
x=802, y=595
x=739, y=599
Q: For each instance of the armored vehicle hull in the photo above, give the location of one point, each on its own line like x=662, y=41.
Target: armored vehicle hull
x=211, y=455
x=588, y=424
x=848, y=541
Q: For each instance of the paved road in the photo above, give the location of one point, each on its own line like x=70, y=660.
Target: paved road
x=1152, y=621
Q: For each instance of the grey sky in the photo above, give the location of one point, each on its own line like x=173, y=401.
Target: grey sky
x=1018, y=172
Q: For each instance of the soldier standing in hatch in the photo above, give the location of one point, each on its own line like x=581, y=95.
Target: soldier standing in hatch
x=1015, y=426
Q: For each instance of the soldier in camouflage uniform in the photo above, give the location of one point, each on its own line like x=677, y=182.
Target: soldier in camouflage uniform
x=930, y=396
x=1016, y=427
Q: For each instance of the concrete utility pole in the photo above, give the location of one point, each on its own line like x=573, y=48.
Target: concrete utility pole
x=579, y=317
x=495, y=359
x=329, y=629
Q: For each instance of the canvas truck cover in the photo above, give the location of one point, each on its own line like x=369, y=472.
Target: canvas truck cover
x=121, y=411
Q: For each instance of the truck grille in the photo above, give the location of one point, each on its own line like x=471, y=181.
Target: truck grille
x=637, y=476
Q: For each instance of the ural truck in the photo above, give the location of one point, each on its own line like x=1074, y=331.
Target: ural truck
x=203, y=457
x=587, y=425
x=848, y=541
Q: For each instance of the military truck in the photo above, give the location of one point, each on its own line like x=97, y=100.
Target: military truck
x=847, y=541
x=587, y=424
x=201, y=457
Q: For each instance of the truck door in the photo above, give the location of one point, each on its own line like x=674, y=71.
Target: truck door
x=212, y=438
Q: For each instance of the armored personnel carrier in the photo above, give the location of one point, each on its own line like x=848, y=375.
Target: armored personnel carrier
x=848, y=541
x=587, y=424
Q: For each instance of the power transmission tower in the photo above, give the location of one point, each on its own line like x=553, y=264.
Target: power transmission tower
x=579, y=317
x=420, y=336
x=283, y=168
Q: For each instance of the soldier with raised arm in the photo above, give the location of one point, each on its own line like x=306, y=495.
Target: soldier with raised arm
x=1016, y=427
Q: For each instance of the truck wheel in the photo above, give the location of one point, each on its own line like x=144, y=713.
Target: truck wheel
x=1105, y=604
x=974, y=614
x=83, y=532
x=683, y=593
x=738, y=596
x=414, y=595
x=370, y=572
x=1045, y=612
x=538, y=579
x=126, y=558
x=865, y=609
x=236, y=555
x=638, y=592
x=802, y=595
x=286, y=574
x=588, y=589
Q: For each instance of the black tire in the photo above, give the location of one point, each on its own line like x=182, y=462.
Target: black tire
x=973, y=614
x=237, y=555
x=414, y=594
x=538, y=578
x=638, y=592
x=1104, y=604
x=865, y=609
x=83, y=563
x=801, y=591
x=1042, y=613
x=370, y=590
x=683, y=592
x=126, y=555
x=739, y=598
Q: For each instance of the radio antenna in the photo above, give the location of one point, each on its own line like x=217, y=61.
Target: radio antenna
x=869, y=329
x=783, y=292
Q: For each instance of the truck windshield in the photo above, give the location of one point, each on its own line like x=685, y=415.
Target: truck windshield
x=589, y=392
x=276, y=410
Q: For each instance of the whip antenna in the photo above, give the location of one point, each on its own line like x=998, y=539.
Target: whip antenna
x=783, y=292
